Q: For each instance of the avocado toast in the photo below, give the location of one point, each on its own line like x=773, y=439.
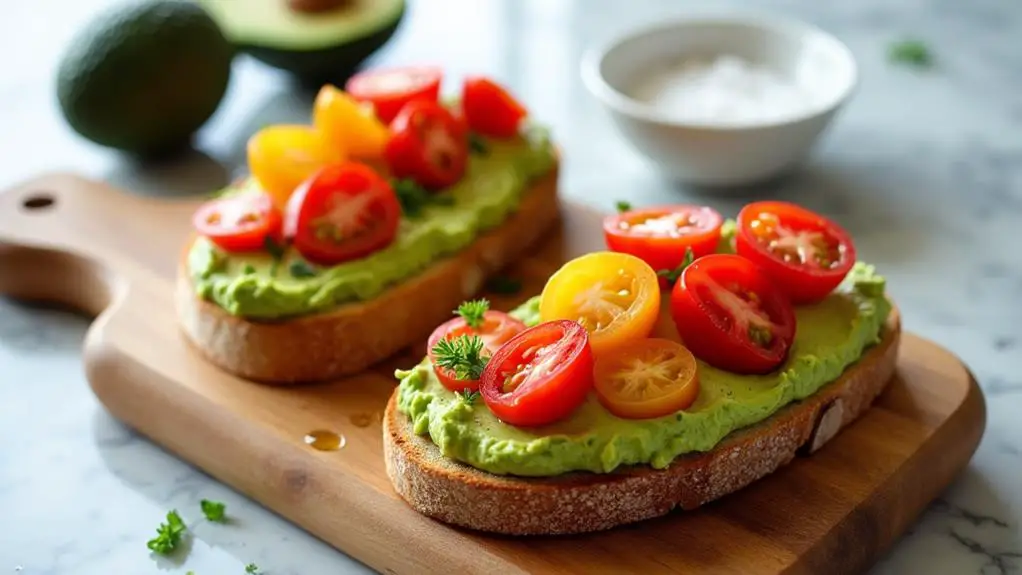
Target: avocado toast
x=670, y=396
x=354, y=236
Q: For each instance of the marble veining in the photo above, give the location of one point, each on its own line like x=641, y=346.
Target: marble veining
x=924, y=167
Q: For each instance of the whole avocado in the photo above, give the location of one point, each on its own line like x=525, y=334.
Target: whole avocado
x=145, y=76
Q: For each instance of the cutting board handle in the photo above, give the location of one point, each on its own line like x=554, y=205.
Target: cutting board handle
x=67, y=239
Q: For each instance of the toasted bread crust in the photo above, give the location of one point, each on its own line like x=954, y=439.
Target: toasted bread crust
x=582, y=502
x=355, y=336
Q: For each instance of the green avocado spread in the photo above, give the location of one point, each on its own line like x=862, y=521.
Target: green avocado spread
x=831, y=335
x=263, y=286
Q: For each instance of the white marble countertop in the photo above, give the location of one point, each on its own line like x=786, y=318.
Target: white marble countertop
x=925, y=168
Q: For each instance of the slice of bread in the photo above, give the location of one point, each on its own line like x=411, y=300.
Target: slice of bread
x=456, y=493
x=354, y=336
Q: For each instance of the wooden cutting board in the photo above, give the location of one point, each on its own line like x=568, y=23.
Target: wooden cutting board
x=112, y=254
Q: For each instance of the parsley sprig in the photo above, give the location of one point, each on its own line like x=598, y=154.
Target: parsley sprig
x=622, y=206
x=463, y=355
x=473, y=312
x=672, y=275
x=467, y=395
x=168, y=535
x=213, y=510
x=911, y=52
x=252, y=569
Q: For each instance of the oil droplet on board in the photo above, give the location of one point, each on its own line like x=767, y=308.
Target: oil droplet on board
x=325, y=440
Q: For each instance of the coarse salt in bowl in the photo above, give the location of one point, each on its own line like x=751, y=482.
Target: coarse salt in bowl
x=722, y=100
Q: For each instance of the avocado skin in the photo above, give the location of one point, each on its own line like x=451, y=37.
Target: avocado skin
x=145, y=76
x=334, y=65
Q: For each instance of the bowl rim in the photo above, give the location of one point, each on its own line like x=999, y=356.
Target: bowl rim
x=611, y=97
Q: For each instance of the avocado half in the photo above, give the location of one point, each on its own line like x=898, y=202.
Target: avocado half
x=315, y=47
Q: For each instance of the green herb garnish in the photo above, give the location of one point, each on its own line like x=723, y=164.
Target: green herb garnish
x=672, y=275
x=472, y=312
x=252, y=569
x=168, y=535
x=477, y=144
x=911, y=52
x=213, y=510
x=276, y=251
x=503, y=285
x=301, y=269
x=467, y=395
x=463, y=355
x=248, y=270
x=622, y=206
x=412, y=196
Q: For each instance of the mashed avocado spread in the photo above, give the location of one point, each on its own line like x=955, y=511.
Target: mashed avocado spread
x=259, y=286
x=831, y=335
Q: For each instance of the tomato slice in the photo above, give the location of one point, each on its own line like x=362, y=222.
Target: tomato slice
x=539, y=376
x=615, y=296
x=349, y=124
x=239, y=223
x=389, y=89
x=281, y=157
x=428, y=145
x=489, y=109
x=660, y=235
x=495, y=330
x=343, y=212
x=806, y=254
x=647, y=378
x=731, y=315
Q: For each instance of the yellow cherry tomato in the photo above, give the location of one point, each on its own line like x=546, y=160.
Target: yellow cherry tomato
x=349, y=123
x=646, y=378
x=615, y=296
x=283, y=156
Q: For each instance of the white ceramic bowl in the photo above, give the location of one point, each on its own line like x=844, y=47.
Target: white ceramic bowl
x=715, y=154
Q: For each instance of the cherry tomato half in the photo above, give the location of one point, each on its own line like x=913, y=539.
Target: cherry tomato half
x=731, y=316
x=489, y=109
x=239, y=223
x=647, y=378
x=496, y=329
x=806, y=254
x=539, y=376
x=615, y=296
x=389, y=89
x=428, y=145
x=349, y=124
x=343, y=212
x=661, y=235
x=281, y=157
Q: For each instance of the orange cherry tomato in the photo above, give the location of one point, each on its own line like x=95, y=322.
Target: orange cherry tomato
x=349, y=124
x=647, y=378
x=281, y=157
x=615, y=296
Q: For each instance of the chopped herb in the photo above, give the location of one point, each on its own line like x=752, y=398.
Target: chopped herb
x=467, y=395
x=477, y=144
x=168, y=535
x=252, y=569
x=442, y=199
x=213, y=510
x=463, y=355
x=190, y=573
x=248, y=270
x=472, y=312
x=672, y=275
x=622, y=206
x=911, y=52
x=301, y=269
x=276, y=251
x=412, y=196
x=503, y=285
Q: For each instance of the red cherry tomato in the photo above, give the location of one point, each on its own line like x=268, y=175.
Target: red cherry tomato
x=389, y=89
x=805, y=254
x=540, y=376
x=239, y=223
x=661, y=235
x=428, y=145
x=496, y=329
x=343, y=212
x=731, y=316
x=489, y=109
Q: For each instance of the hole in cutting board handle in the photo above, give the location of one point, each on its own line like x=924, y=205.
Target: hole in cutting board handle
x=38, y=201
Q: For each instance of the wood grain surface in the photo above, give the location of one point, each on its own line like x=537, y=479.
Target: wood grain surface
x=112, y=254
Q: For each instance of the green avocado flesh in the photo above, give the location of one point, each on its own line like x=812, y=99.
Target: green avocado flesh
x=256, y=286
x=831, y=336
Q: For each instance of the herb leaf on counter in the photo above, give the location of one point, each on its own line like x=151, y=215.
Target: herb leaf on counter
x=213, y=510
x=911, y=52
x=168, y=535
